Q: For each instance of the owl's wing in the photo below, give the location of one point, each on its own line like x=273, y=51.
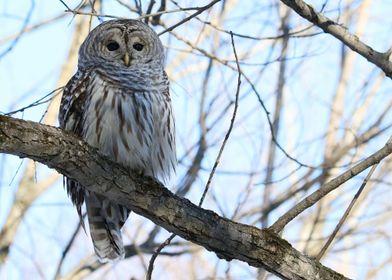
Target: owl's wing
x=104, y=216
x=72, y=102
x=70, y=118
x=165, y=127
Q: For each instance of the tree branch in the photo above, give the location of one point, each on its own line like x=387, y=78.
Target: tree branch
x=341, y=33
x=317, y=195
x=229, y=240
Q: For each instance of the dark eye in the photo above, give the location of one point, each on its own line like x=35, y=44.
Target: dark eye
x=138, y=46
x=112, y=46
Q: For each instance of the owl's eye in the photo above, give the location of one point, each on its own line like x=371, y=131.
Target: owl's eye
x=112, y=46
x=138, y=46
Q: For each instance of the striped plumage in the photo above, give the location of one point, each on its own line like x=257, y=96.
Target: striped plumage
x=119, y=102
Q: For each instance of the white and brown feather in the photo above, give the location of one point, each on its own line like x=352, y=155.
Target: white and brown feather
x=125, y=113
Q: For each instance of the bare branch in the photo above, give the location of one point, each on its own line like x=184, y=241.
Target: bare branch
x=341, y=33
x=202, y=9
x=149, y=9
x=332, y=185
x=23, y=29
x=155, y=255
x=32, y=27
x=346, y=213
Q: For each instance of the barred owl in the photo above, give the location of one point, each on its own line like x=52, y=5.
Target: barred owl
x=119, y=102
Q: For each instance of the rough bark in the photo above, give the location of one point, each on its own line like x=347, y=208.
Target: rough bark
x=229, y=240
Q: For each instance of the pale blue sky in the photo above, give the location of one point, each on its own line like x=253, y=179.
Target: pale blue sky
x=32, y=68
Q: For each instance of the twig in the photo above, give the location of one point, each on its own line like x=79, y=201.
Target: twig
x=291, y=34
x=37, y=102
x=23, y=29
x=294, y=34
x=346, y=213
x=155, y=255
x=32, y=27
x=149, y=9
x=65, y=5
x=76, y=12
x=202, y=9
x=93, y=11
x=230, y=127
x=155, y=19
x=159, y=12
x=66, y=250
x=128, y=6
x=331, y=185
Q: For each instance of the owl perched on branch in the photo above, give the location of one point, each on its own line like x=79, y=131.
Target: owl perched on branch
x=119, y=102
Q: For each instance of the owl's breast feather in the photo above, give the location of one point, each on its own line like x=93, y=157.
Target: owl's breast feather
x=128, y=126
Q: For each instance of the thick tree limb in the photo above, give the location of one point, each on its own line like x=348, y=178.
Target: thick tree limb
x=229, y=240
x=341, y=33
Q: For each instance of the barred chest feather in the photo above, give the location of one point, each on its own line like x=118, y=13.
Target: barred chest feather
x=133, y=127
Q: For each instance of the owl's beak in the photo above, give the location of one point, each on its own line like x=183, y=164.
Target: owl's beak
x=127, y=60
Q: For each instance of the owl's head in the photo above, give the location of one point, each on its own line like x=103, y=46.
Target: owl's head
x=121, y=43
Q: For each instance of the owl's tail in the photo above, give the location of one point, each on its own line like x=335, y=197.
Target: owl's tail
x=105, y=220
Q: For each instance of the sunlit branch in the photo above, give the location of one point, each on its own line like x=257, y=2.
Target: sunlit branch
x=229, y=240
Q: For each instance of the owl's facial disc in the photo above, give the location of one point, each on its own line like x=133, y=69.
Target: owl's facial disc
x=126, y=48
x=121, y=43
